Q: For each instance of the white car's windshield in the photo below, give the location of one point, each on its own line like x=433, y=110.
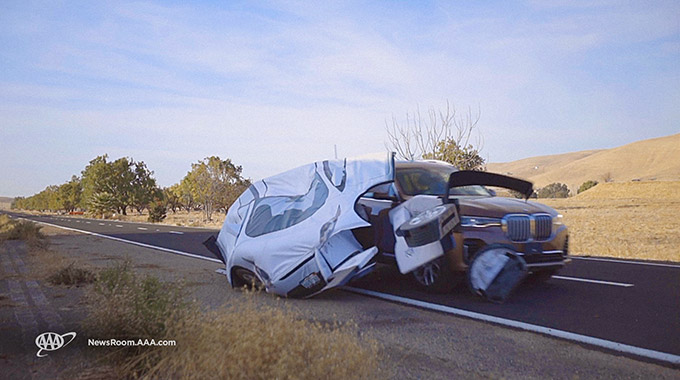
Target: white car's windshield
x=433, y=181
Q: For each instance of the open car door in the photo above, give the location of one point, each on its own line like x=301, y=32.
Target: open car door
x=421, y=226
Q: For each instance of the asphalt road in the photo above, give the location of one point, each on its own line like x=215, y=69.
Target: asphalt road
x=632, y=303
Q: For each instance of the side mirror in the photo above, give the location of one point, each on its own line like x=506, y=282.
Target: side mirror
x=492, y=192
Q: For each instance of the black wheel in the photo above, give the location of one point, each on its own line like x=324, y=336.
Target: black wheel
x=436, y=276
x=244, y=277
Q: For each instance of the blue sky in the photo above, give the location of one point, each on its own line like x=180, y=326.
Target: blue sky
x=273, y=85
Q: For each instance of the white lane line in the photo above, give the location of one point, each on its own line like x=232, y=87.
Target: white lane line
x=593, y=281
x=102, y=224
x=119, y=225
x=176, y=232
x=142, y=228
x=626, y=262
x=657, y=355
x=132, y=242
x=87, y=222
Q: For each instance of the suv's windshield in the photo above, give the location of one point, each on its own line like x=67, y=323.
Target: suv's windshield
x=433, y=181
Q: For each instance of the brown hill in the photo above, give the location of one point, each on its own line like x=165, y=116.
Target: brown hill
x=654, y=159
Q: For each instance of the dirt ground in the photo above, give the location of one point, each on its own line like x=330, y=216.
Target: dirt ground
x=415, y=343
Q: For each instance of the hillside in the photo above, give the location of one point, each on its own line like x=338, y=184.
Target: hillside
x=666, y=190
x=653, y=159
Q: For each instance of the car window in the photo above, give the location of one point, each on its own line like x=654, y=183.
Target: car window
x=276, y=213
x=433, y=181
x=380, y=191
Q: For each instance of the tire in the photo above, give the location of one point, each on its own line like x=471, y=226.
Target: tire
x=243, y=277
x=436, y=276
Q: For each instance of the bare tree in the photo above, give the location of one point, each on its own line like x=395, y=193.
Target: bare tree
x=424, y=135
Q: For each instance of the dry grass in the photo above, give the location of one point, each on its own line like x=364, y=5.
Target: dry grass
x=242, y=341
x=179, y=218
x=5, y=224
x=22, y=230
x=246, y=341
x=633, y=220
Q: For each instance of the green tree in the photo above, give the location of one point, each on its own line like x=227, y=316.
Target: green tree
x=172, y=197
x=185, y=193
x=53, y=200
x=215, y=183
x=158, y=207
x=18, y=203
x=102, y=203
x=554, y=190
x=70, y=194
x=462, y=157
x=586, y=185
x=108, y=186
x=144, y=187
x=47, y=199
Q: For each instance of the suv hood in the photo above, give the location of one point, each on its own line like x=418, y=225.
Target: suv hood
x=497, y=207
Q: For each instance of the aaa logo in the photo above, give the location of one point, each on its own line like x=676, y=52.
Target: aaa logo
x=50, y=341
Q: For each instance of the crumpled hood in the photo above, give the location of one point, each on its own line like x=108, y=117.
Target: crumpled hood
x=497, y=207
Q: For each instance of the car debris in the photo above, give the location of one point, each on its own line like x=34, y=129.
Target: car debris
x=495, y=272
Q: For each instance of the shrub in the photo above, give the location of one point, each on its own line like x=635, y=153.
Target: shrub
x=554, y=190
x=124, y=306
x=157, y=213
x=5, y=223
x=71, y=275
x=22, y=230
x=586, y=185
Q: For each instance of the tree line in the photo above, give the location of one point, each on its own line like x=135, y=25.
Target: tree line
x=107, y=187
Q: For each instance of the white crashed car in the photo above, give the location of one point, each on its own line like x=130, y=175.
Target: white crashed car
x=292, y=232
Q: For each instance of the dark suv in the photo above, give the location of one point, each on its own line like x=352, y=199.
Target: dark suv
x=533, y=230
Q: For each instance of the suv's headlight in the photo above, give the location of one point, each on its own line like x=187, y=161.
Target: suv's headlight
x=478, y=221
x=557, y=221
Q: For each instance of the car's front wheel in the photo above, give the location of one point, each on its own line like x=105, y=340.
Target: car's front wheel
x=436, y=276
x=244, y=277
